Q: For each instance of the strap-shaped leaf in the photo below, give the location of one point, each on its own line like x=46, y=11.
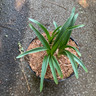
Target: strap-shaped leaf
x=64, y=35
x=77, y=60
x=66, y=39
x=32, y=51
x=75, y=27
x=67, y=35
x=54, y=34
x=74, y=20
x=71, y=58
x=55, y=46
x=42, y=27
x=57, y=66
x=65, y=26
x=56, y=30
x=55, y=24
x=53, y=70
x=44, y=68
x=40, y=37
x=68, y=46
x=80, y=62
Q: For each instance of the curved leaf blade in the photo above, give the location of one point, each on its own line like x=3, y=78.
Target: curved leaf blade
x=43, y=72
x=42, y=27
x=32, y=51
x=53, y=70
x=56, y=30
x=65, y=26
x=80, y=62
x=55, y=24
x=71, y=58
x=57, y=66
x=66, y=39
x=68, y=46
x=41, y=38
x=67, y=35
x=76, y=26
x=55, y=46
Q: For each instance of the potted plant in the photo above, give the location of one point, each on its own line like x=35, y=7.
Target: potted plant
x=55, y=45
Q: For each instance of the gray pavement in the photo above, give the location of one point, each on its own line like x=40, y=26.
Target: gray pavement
x=14, y=28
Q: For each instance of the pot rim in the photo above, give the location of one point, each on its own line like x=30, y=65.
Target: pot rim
x=49, y=79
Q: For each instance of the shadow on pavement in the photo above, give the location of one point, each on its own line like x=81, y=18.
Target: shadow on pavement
x=12, y=26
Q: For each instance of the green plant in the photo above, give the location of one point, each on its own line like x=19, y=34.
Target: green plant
x=58, y=40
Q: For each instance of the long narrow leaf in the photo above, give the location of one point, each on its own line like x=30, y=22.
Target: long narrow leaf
x=67, y=37
x=32, y=51
x=54, y=34
x=71, y=58
x=41, y=38
x=76, y=26
x=55, y=30
x=55, y=46
x=44, y=68
x=74, y=19
x=65, y=26
x=42, y=27
x=55, y=24
x=57, y=66
x=68, y=46
x=80, y=62
x=53, y=70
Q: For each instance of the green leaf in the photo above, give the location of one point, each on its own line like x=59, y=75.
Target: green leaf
x=54, y=34
x=65, y=26
x=32, y=51
x=57, y=66
x=55, y=24
x=73, y=10
x=53, y=70
x=42, y=27
x=68, y=46
x=41, y=38
x=44, y=68
x=67, y=37
x=55, y=30
x=80, y=62
x=71, y=58
x=76, y=26
x=55, y=46
x=74, y=19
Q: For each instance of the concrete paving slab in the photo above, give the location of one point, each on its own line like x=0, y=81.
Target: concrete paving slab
x=14, y=28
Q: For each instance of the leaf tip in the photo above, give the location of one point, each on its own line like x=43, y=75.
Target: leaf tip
x=56, y=81
x=40, y=89
x=73, y=10
x=62, y=76
x=17, y=57
x=79, y=54
x=30, y=19
x=86, y=70
x=77, y=77
x=82, y=25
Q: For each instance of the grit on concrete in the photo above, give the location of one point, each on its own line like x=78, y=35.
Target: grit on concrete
x=14, y=28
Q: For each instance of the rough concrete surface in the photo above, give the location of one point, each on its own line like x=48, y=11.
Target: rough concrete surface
x=16, y=79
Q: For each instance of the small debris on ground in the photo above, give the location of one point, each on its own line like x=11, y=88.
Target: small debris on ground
x=6, y=36
x=83, y=3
